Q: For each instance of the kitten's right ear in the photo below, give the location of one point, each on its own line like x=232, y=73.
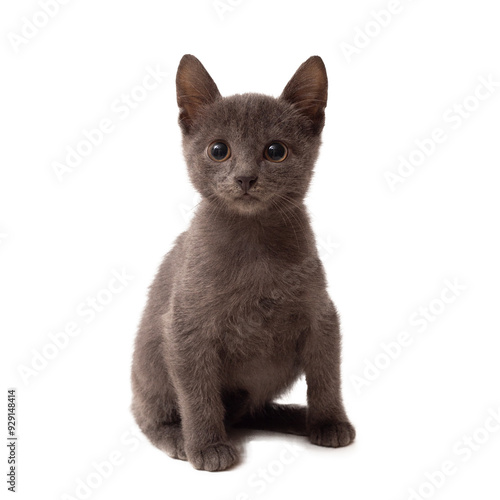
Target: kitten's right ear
x=195, y=89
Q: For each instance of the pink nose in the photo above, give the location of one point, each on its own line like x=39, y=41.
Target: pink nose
x=246, y=183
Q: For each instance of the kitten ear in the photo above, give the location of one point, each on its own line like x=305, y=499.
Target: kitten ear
x=308, y=91
x=195, y=89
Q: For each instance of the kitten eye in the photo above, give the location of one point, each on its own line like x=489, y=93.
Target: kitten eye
x=219, y=151
x=276, y=152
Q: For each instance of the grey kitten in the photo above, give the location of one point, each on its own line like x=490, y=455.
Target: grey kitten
x=239, y=308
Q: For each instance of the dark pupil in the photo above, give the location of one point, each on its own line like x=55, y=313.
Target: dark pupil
x=219, y=151
x=276, y=151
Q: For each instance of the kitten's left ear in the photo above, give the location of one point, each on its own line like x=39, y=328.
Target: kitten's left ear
x=195, y=89
x=308, y=91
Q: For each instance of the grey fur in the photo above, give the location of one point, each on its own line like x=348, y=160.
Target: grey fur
x=239, y=308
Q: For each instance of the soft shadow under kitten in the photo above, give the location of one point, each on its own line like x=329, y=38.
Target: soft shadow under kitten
x=239, y=307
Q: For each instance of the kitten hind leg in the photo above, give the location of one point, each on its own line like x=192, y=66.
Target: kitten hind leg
x=160, y=421
x=168, y=438
x=289, y=419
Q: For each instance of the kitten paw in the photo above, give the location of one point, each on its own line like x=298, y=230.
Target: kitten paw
x=215, y=457
x=170, y=440
x=335, y=434
x=177, y=451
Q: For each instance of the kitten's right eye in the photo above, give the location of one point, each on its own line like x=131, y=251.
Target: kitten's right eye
x=219, y=151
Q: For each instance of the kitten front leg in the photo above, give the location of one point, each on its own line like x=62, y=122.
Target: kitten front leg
x=327, y=421
x=196, y=375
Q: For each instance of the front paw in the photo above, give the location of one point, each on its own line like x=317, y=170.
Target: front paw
x=334, y=434
x=215, y=457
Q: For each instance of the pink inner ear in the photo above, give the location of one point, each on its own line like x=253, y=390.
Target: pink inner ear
x=195, y=88
x=308, y=88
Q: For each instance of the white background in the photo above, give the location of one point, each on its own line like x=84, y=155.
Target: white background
x=386, y=252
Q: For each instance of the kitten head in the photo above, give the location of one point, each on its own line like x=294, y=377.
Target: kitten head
x=251, y=153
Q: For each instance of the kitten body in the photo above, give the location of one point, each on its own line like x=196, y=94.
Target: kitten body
x=239, y=308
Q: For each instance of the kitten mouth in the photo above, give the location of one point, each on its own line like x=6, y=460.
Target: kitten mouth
x=246, y=196
x=247, y=203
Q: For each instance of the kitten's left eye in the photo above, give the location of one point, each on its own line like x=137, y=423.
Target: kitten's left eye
x=276, y=152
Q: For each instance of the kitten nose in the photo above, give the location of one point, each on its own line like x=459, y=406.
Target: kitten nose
x=246, y=182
